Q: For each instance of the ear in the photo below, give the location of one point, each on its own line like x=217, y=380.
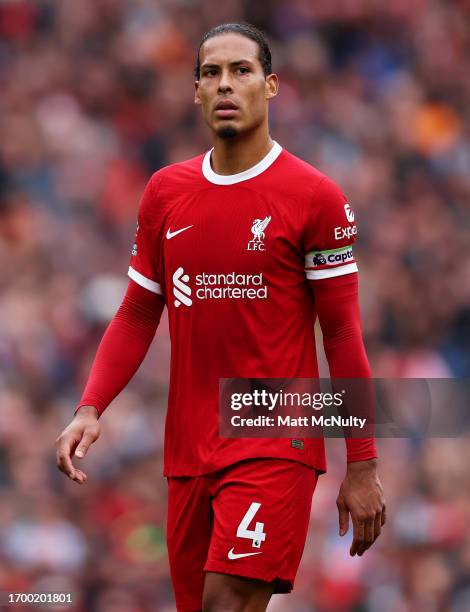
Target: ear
x=197, y=99
x=272, y=86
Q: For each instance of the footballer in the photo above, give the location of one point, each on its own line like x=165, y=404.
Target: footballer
x=245, y=245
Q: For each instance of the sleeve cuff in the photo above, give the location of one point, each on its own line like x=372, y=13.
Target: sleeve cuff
x=361, y=449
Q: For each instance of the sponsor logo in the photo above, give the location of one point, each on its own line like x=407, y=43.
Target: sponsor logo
x=181, y=290
x=329, y=258
x=349, y=213
x=232, y=555
x=206, y=286
x=345, y=232
x=319, y=259
x=170, y=234
x=257, y=229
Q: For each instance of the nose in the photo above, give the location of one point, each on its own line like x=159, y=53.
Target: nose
x=225, y=83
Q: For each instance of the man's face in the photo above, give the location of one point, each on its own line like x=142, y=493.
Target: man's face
x=232, y=88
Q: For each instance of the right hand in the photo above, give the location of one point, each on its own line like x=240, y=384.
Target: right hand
x=76, y=438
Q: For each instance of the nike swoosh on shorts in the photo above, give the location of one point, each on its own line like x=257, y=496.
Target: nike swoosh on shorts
x=232, y=555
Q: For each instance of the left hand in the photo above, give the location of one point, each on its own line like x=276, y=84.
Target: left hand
x=361, y=495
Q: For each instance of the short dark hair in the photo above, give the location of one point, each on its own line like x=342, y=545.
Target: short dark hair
x=245, y=29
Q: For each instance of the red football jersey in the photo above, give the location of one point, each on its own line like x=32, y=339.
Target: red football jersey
x=232, y=255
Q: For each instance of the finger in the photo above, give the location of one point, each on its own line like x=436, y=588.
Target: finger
x=368, y=536
x=384, y=516
x=80, y=477
x=358, y=537
x=377, y=525
x=343, y=518
x=64, y=463
x=85, y=442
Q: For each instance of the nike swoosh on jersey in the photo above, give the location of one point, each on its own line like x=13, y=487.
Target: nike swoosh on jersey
x=232, y=555
x=170, y=234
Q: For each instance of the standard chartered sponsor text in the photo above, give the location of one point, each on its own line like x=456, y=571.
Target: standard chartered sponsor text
x=231, y=285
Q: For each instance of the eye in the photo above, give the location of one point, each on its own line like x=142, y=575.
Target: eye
x=243, y=70
x=210, y=72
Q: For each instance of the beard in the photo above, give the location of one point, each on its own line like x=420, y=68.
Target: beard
x=227, y=132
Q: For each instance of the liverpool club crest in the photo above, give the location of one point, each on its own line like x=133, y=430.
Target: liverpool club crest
x=258, y=231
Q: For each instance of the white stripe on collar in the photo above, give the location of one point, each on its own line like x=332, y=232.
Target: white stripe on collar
x=231, y=179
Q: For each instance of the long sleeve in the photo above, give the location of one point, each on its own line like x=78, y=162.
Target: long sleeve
x=337, y=306
x=123, y=346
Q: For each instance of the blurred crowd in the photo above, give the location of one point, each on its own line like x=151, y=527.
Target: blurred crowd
x=95, y=95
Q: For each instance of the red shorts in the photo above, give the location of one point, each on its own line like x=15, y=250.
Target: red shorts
x=249, y=519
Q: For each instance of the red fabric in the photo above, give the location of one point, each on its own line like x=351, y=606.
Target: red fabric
x=128, y=337
x=208, y=511
x=123, y=346
x=337, y=304
x=238, y=303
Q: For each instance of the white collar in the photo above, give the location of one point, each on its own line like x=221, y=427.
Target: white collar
x=230, y=179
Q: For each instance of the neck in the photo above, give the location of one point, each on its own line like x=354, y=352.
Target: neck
x=234, y=155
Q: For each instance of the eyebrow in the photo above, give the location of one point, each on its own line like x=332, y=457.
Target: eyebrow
x=236, y=63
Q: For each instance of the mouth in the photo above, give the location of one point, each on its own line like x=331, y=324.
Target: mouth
x=225, y=109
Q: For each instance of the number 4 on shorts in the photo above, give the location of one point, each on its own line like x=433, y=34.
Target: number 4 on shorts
x=257, y=534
